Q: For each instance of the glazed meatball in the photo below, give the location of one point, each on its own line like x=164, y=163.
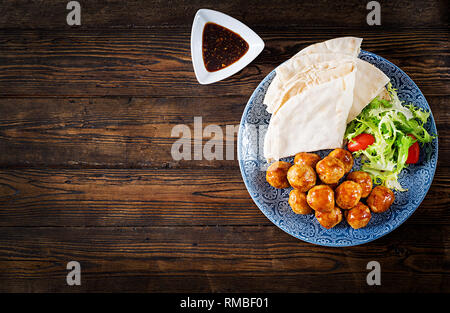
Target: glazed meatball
x=380, y=199
x=298, y=203
x=359, y=216
x=330, y=170
x=348, y=194
x=305, y=158
x=329, y=219
x=321, y=198
x=276, y=174
x=345, y=156
x=301, y=177
x=364, y=180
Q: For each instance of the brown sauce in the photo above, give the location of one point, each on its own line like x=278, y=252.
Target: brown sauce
x=221, y=47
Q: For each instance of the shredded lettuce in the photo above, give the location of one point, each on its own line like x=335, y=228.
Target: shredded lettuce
x=390, y=122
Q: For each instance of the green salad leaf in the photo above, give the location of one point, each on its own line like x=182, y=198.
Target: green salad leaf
x=390, y=122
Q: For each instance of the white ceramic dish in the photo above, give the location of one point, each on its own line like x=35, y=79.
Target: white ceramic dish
x=203, y=16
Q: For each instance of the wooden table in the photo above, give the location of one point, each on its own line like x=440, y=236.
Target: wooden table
x=86, y=114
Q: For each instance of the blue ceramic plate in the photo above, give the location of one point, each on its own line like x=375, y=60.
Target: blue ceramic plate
x=273, y=202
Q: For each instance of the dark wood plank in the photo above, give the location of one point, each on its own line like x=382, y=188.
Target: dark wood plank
x=53, y=197
x=217, y=259
x=129, y=132
x=156, y=62
x=154, y=197
x=111, y=132
x=142, y=13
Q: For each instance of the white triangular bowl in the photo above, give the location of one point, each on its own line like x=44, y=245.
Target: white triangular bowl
x=203, y=16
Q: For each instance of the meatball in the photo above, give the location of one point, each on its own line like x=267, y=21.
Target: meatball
x=364, y=180
x=276, y=174
x=359, y=216
x=380, y=199
x=330, y=170
x=298, y=203
x=329, y=219
x=301, y=177
x=305, y=158
x=345, y=156
x=321, y=198
x=348, y=194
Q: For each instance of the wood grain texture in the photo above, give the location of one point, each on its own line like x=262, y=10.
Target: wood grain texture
x=130, y=132
x=156, y=62
x=86, y=173
x=112, y=132
x=144, y=13
x=216, y=259
x=125, y=198
x=153, y=197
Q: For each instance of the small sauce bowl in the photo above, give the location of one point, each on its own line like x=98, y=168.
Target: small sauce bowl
x=203, y=16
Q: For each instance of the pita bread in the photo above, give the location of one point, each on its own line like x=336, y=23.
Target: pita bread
x=300, y=63
x=370, y=81
x=312, y=110
x=344, y=45
x=287, y=70
x=295, y=67
x=312, y=77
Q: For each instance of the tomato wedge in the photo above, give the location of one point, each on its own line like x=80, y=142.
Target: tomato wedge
x=413, y=152
x=360, y=142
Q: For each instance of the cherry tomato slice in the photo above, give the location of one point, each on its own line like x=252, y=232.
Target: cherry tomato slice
x=413, y=152
x=360, y=142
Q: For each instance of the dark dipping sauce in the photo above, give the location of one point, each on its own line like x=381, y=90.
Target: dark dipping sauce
x=221, y=47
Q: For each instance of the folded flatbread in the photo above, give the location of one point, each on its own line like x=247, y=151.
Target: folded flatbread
x=349, y=46
x=304, y=122
x=312, y=77
x=370, y=81
x=345, y=45
x=295, y=68
x=315, y=94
